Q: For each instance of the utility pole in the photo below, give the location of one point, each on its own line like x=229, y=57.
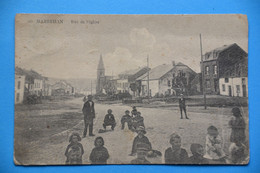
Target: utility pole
x=202, y=76
x=91, y=86
x=148, y=78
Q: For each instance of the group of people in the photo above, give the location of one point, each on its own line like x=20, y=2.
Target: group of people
x=75, y=151
x=212, y=153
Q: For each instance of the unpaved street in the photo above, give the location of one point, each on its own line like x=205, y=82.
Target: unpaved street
x=159, y=123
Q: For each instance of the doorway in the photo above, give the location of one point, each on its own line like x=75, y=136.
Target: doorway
x=229, y=90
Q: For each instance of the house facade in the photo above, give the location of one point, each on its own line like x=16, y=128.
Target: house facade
x=167, y=79
x=234, y=86
x=228, y=61
x=33, y=84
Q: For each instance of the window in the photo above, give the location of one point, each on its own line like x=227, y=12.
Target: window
x=207, y=70
x=17, y=97
x=169, y=83
x=19, y=85
x=223, y=87
x=226, y=80
x=238, y=89
x=215, y=69
x=243, y=81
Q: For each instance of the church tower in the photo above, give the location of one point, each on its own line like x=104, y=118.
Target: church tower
x=100, y=75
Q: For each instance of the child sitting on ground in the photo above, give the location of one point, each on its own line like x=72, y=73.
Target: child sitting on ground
x=142, y=150
x=109, y=120
x=137, y=121
x=214, y=147
x=140, y=138
x=197, y=151
x=74, y=150
x=99, y=154
x=175, y=154
x=126, y=119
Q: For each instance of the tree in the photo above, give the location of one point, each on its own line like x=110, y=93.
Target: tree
x=136, y=87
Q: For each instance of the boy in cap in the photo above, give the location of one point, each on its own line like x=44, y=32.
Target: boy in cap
x=175, y=154
x=140, y=138
x=109, y=120
x=126, y=119
x=197, y=151
x=142, y=150
x=182, y=106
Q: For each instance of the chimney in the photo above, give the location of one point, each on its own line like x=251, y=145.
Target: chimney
x=173, y=63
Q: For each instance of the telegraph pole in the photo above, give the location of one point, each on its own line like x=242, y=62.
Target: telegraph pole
x=148, y=78
x=202, y=76
x=91, y=86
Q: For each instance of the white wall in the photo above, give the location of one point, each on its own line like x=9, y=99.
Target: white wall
x=236, y=86
x=153, y=86
x=163, y=87
x=19, y=92
x=38, y=86
x=122, y=85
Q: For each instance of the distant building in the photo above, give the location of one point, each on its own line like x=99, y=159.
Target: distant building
x=127, y=81
x=62, y=88
x=167, y=79
x=222, y=65
x=109, y=85
x=19, y=88
x=33, y=82
x=47, y=89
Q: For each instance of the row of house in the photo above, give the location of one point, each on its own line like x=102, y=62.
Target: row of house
x=30, y=83
x=224, y=73
x=165, y=79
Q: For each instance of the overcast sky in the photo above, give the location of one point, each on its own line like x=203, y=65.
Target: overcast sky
x=73, y=50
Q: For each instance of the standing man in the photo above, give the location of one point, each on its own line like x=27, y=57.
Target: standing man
x=182, y=106
x=89, y=115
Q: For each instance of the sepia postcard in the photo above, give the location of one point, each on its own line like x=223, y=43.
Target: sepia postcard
x=131, y=89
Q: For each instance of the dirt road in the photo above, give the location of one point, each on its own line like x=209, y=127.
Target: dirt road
x=159, y=122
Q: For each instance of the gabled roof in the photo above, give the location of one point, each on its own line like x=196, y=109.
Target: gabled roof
x=133, y=74
x=101, y=64
x=222, y=48
x=161, y=70
x=157, y=72
x=214, y=54
x=28, y=73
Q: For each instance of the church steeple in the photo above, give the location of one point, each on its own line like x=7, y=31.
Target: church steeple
x=101, y=64
x=100, y=75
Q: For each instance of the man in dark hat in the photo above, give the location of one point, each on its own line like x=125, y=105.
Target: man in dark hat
x=89, y=115
x=182, y=106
